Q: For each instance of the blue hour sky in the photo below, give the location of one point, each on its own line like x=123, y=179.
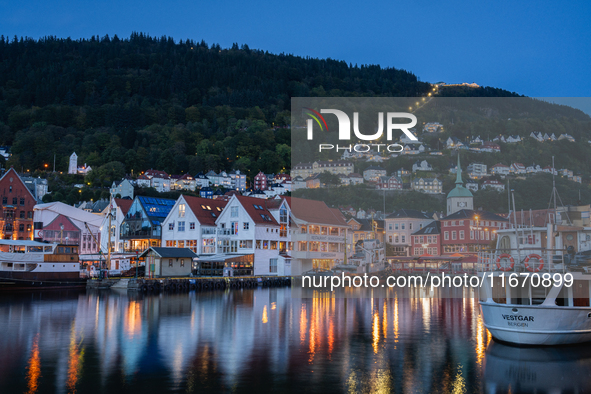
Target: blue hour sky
x=536, y=48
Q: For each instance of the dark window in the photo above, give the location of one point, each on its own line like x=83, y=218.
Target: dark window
x=21, y=227
x=22, y=201
x=28, y=227
x=22, y=214
x=30, y=215
x=4, y=200
x=14, y=200
x=10, y=189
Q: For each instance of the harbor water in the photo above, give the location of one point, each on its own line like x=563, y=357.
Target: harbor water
x=266, y=340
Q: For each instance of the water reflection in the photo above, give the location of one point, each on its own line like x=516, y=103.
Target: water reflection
x=254, y=340
x=34, y=367
x=543, y=370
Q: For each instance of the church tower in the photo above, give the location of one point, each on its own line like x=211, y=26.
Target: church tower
x=73, y=168
x=460, y=197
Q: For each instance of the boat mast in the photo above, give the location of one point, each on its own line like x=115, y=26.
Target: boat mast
x=109, y=239
x=554, y=188
x=516, y=231
x=555, y=197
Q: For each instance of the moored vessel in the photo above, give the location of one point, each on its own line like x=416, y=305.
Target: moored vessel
x=536, y=285
x=28, y=265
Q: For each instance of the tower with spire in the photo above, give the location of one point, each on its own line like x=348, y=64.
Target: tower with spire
x=459, y=197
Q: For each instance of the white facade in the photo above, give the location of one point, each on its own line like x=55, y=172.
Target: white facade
x=124, y=188
x=160, y=184
x=240, y=233
x=500, y=169
x=47, y=213
x=428, y=185
x=182, y=228
x=492, y=184
x=117, y=217
x=477, y=170
x=399, y=230
x=422, y=166
x=73, y=167
x=237, y=180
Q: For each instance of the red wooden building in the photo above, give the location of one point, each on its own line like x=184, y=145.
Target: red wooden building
x=16, y=221
x=468, y=231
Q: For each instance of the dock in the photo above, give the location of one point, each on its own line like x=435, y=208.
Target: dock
x=191, y=283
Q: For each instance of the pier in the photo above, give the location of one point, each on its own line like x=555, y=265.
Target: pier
x=184, y=283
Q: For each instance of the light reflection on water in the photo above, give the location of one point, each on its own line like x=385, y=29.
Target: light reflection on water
x=263, y=340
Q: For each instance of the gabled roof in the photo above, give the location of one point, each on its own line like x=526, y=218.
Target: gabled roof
x=316, y=212
x=156, y=174
x=256, y=209
x=367, y=224
x=170, y=252
x=408, y=213
x=15, y=174
x=205, y=210
x=471, y=214
x=156, y=208
x=123, y=204
x=64, y=209
x=432, y=228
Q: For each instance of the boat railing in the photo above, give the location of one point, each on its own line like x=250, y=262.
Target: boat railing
x=527, y=259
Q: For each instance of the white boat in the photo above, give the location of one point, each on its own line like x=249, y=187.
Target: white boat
x=536, y=285
x=38, y=265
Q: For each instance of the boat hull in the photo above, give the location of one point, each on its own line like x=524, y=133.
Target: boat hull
x=537, y=325
x=14, y=281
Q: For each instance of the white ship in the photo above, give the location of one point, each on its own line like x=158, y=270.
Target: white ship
x=536, y=285
x=38, y=265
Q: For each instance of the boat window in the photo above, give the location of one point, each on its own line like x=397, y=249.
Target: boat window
x=74, y=249
x=68, y=249
x=47, y=248
x=35, y=249
x=520, y=293
x=581, y=293
x=498, y=291
x=60, y=249
x=562, y=298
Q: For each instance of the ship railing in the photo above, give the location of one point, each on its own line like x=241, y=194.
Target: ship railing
x=514, y=260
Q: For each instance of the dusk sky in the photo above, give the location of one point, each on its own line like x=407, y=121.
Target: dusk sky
x=536, y=48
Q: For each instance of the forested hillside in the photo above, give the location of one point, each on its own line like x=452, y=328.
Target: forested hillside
x=179, y=106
